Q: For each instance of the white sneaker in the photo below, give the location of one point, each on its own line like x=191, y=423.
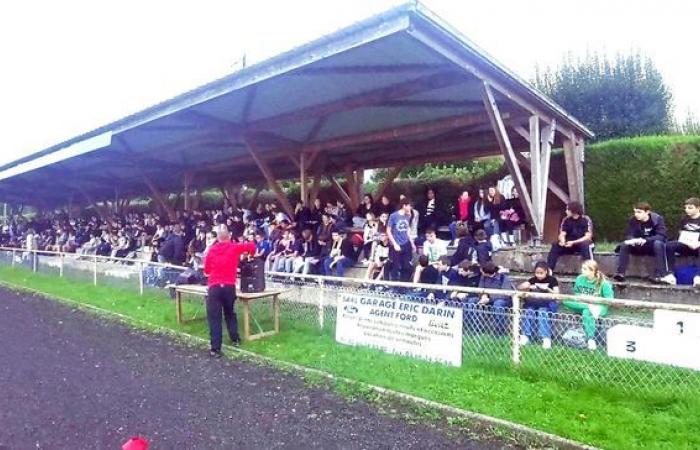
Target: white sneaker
x=592, y=346
x=669, y=279
x=546, y=343
x=524, y=340
x=696, y=281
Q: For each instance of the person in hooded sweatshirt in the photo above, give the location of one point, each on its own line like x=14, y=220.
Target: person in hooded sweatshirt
x=646, y=234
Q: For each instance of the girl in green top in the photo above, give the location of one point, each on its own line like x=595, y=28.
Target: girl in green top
x=591, y=282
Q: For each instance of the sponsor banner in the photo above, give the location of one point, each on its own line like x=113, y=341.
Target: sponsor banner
x=419, y=330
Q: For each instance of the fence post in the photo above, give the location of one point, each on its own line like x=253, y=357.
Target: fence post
x=34, y=262
x=516, y=329
x=60, y=265
x=94, y=270
x=321, y=313
x=141, y=278
x=13, y=257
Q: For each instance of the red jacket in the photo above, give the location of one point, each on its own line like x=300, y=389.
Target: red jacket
x=221, y=262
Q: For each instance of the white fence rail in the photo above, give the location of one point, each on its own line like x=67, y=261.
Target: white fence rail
x=641, y=345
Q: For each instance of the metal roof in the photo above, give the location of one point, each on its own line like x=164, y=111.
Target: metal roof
x=398, y=69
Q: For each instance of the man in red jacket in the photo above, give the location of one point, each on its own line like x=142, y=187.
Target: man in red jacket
x=221, y=265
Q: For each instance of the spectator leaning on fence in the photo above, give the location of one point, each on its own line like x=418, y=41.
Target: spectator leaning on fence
x=645, y=235
x=539, y=308
x=592, y=281
x=688, y=243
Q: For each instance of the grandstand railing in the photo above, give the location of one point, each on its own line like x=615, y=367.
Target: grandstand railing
x=491, y=337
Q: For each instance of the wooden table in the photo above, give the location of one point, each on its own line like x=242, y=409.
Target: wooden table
x=244, y=297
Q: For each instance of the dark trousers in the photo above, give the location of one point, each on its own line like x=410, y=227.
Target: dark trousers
x=674, y=248
x=221, y=298
x=584, y=249
x=655, y=248
x=401, y=263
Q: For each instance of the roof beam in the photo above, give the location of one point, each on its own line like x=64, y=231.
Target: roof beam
x=503, y=140
x=368, y=69
x=368, y=98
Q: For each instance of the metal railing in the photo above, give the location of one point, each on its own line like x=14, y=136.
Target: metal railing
x=491, y=336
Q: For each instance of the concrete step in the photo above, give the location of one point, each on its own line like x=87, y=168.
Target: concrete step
x=523, y=259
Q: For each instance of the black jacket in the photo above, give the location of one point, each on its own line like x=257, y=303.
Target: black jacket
x=658, y=232
x=173, y=249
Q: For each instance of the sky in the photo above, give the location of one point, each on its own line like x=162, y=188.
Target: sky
x=71, y=66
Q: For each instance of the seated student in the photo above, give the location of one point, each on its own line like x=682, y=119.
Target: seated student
x=429, y=273
x=308, y=253
x=466, y=274
x=460, y=216
x=293, y=250
x=543, y=308
x=491, y=278
x=263, y=246
x=575, y=235
x=341, y=255
x=314, y=264
x=645, y=235
x=591, y=282
x=466, y=248
x=279, y=247
x=433, y=247
x=483, y=247
x=433, y=250
x=370, y=231
x=688, y=243
x=379, y=258
x=510, y=217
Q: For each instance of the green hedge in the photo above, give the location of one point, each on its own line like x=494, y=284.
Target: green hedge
x=662, y=170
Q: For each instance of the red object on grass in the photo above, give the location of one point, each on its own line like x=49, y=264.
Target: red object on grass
x=135, y=443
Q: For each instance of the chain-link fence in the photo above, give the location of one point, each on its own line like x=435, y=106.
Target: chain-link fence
x=533, y=334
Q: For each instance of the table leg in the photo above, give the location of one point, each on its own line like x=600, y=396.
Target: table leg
x=276, y=312
x=246, y=321
x=178, y=307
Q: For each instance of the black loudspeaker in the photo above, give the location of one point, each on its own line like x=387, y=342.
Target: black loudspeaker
x=252, y=276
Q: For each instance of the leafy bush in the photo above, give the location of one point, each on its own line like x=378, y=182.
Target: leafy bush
x=662, y=170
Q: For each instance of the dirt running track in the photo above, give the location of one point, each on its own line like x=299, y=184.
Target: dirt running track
x=69, y=380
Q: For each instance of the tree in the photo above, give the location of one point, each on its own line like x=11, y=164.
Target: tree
x=620, y=97
x=461, y=171
x=690, y=126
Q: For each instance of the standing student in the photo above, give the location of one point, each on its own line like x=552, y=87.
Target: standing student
x=402, y=246
x=645, y=235
x=575, y=236
x=688, y=243
x=540, y=308
x=591, y=282
x=220, y=265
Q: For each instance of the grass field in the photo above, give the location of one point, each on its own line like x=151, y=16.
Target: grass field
x=537, y=396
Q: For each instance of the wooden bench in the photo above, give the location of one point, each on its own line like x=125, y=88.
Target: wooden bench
x=244, y=297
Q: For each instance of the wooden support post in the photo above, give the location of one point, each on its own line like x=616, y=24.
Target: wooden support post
x=351, y=184
x=536, y=176
x=390, y=177
x=269, y=177
x=302, y=179
x=343, y=195
x=187, y=183
x=547, y=140
x=572, y=176
x=159, y=198
x=360, y=183
x=254, y=198
x=507, y=150
x=580, y=152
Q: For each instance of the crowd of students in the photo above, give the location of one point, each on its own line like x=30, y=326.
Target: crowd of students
x=387, y=239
